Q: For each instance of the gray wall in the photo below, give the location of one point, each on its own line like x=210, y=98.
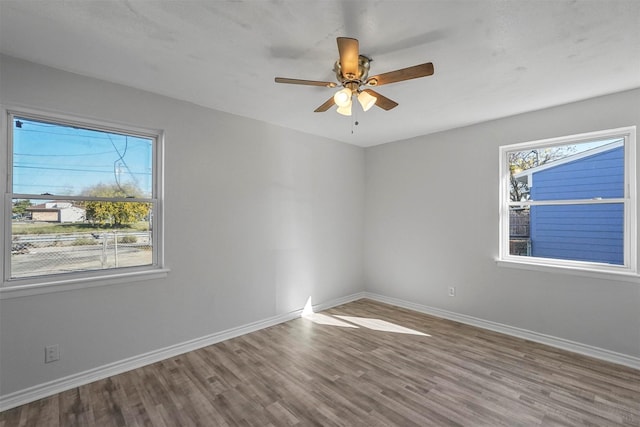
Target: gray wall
x=431, y=221
x=258, y=218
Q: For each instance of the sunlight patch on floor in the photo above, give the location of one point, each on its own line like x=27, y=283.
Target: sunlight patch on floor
x=381, y=325
x=323, y=319
x=355, y=322
x=308, y=308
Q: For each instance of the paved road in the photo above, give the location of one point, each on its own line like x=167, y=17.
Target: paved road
x=50, y=260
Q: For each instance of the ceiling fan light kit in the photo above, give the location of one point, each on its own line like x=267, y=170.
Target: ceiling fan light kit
x=344, y=110
x=352, y=72
x=366, y=101
x=342, y=98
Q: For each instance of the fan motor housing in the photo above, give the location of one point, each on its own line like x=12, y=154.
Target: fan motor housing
x=363, y=71
x=358, y=76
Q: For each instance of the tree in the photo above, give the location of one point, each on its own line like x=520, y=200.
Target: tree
x=522, y=160
x=112, y=213
x=20, y=207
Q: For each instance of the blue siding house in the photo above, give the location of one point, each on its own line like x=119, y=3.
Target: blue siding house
x=592, y=232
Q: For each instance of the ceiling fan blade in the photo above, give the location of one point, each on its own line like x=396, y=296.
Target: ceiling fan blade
x=324, y=107
x=304, y=82
x=409, y=73
x=382, y=101
x=349, y=53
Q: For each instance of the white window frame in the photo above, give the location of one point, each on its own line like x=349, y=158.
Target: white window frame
x=595, y=269
x=17, y=287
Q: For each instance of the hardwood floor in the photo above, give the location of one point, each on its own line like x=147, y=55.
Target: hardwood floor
x=403, y=369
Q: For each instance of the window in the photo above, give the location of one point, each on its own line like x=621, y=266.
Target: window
x=570, y=202
x=84, y=201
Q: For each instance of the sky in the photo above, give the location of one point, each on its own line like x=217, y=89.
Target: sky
x=65, y=160
x=563, y=151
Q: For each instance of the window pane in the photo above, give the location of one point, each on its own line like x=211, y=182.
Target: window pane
x=519, y=234
x=51, y=237
x=593, y=232
x=585, y=170
x=65, y=160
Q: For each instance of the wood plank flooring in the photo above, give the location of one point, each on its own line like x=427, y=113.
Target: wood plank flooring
x=361, y=369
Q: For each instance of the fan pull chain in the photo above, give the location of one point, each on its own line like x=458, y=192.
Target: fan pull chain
x=355, y=121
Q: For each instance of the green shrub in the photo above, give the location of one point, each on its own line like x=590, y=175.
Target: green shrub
x=83, y=241
x=128, y=239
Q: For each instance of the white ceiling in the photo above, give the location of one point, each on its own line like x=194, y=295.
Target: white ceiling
x=492, y=58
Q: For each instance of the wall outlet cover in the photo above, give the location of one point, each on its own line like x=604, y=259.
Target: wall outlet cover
x=51, y=353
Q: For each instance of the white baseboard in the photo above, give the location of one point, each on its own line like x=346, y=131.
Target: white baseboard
x=75, y=380
x=81, y=378
x=576, y=347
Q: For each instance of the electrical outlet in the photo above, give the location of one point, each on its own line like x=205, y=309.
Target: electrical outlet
x=51, y=353
x=452, y=291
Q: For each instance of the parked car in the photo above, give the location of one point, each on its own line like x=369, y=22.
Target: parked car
x=20, y=248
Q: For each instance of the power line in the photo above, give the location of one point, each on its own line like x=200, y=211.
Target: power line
x=77, y=170
x=40, y=185
x=82, y=132
x=61, y=165
x=63, y=155
x=77, y=135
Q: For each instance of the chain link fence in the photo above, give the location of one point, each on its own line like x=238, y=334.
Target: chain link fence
x=519, y=232
x=38, y=255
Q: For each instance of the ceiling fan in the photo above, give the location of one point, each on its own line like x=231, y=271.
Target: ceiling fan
x=352, y=73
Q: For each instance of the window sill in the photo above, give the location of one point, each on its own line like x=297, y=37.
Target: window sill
x=624, y=276
x=9, y=290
